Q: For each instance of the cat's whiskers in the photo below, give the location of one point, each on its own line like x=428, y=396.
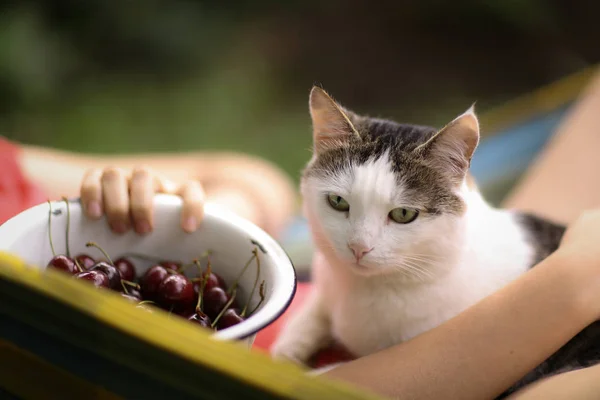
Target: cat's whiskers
x=412, y=270
x=423, y=261
x=427, y=256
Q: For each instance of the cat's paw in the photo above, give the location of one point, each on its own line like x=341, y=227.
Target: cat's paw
x=292, y=350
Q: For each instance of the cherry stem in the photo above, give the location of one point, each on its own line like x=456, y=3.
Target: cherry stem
x=195, y=262
x=243, y=313
x=92, y=244
x=185, y=266
x=50, y=228
x=225, y=308
x=146, y=302
x=142, y=256
x=203, y=281
x=261, y=292
x=132, y=284
x=68, y=226
x=77, y=264
x=235, y=283
x=125, y=283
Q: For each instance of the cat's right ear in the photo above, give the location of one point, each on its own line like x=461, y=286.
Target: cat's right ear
x=331, y=124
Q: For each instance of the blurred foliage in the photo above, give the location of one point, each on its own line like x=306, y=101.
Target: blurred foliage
x=157, y=75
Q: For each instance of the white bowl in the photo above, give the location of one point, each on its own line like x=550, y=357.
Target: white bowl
x=230, y=238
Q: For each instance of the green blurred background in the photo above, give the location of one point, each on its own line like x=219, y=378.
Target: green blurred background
x=137, y=76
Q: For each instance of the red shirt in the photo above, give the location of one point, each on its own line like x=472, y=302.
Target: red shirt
x=17, y=193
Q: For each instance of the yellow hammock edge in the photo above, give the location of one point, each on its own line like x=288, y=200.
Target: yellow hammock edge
x=544, y=99
x=179, y=337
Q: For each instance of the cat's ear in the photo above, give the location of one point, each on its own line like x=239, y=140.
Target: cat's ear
x=332, y=126
x=452, y=148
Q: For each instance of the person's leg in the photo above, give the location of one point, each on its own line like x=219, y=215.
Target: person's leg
x=249, y=186
x=565, y=179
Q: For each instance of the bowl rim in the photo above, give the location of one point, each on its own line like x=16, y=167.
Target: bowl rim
x=258, y=237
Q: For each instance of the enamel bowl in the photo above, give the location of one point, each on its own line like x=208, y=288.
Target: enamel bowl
x=230, y=238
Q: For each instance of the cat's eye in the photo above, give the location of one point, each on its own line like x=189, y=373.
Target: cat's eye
x=337, y=202
x=403, y=215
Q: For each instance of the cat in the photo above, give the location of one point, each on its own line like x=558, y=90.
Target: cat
x=404, y=239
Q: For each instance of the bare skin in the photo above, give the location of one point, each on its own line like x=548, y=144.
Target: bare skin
x=477, y=354
x=251, y=187
x=565, y=177
x=488, y=347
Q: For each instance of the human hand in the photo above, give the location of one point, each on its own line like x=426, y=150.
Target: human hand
x=579, y=254
x=126, y=198
x=581, y=241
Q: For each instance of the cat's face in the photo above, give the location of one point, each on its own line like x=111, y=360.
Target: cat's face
x=384, y=197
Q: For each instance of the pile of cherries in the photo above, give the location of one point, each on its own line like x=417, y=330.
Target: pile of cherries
x=204, y=299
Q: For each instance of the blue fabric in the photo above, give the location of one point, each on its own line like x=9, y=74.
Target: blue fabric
x=510, y=151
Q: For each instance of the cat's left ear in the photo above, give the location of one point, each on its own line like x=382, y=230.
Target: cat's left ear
x=453, y=146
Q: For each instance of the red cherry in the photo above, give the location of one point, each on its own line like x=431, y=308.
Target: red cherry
x=152, y=280
x=214, y=300
x=111, y=272
x=221, y=281
x=98, y=278
x=200, y=319
x=126, y=268
x=133, y=292
x=229, y=318
x=85, y=261
x=170, y=265
x=213, y=280
x=63, y=263
x=129, y=297
x=177, y=292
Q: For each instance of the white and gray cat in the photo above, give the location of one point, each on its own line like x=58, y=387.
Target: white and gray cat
x=404, y=239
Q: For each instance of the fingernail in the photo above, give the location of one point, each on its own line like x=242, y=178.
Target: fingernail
x=142, y=227
x=190, y=224
x=93, y=209
x=119, y=227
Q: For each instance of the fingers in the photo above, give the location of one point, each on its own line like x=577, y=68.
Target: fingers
x=91, y=194
x=128, y=201
x=115, y=196
x=192, y=212
x=142, y=186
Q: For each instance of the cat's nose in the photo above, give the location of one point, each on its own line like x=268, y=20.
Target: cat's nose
x=359, y=250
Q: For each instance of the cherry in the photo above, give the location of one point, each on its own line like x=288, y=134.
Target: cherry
x=152, y=280
x=114, y=277
x=85, y=261
x=230, y=318
x=214, y=300
x=98, y=278
x=59, y=262
x=131, y=298
x=221, y=281
x=63, y=263
x=177, y=292
x=134, y=293
x=170, y=265
x=212, y=280
x=201, y=319
x=126, y=268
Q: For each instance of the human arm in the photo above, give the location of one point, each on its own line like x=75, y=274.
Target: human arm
x=249, y=186
x=481, y=352
x=490, y=346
